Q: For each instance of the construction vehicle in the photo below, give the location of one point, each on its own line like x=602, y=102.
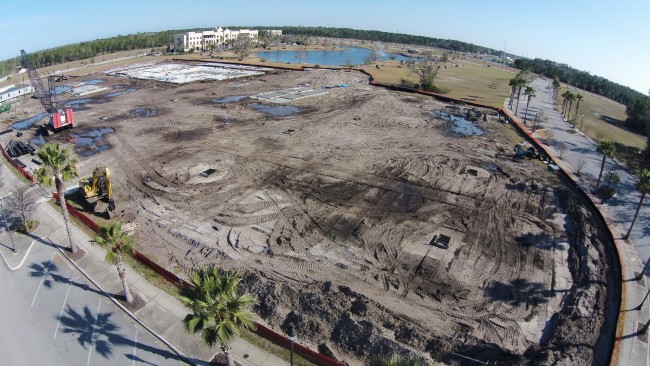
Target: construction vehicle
x=98, y=185
x=60, y=119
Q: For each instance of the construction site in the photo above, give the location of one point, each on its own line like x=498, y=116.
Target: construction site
x=376, y=222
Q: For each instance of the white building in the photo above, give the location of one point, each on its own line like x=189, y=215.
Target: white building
x=274, y=32
x=15, y=91
x=208, y=39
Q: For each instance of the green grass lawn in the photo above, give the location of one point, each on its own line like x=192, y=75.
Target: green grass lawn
x=604, y=119
x=471, y=82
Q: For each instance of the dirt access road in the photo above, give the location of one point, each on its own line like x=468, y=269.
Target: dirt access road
x=329, y=208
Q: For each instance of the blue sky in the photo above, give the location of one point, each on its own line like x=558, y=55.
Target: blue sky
x=606, y=38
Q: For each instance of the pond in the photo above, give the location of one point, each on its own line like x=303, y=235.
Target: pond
x=339, y=57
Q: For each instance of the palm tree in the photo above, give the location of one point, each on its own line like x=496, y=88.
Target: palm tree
x=570, y=98
x=556, y=87
x=578, y=98
x=116, y=241
x=607, y=148
x=521, y=81
x=58, y=166
x=218, y=310
x=565, y=98
x=530, y=91
x=643, y=185
x=513, y=86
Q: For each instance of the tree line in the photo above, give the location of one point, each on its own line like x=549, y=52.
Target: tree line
x=580, y=79
x=84, y=50
x=638, y=104
x=379, y=36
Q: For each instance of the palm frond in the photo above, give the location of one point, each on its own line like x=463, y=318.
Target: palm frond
x=44, y=177
x=210, y=336
x=214, y=298
x=110, y=257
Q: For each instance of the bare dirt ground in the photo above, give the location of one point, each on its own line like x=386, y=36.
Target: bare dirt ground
x=330, y=212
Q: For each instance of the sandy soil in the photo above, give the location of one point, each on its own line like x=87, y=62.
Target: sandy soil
x=330, y=213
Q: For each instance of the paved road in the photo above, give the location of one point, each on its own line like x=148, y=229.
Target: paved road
x=574, y=147
x=50, y=314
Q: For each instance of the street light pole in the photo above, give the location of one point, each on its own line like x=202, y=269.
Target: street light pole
x=13, y=249
x=292, y=338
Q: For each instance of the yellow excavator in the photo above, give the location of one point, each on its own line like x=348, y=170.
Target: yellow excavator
x=99, y=185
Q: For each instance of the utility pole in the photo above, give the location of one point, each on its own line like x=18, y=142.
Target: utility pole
x=13, y=249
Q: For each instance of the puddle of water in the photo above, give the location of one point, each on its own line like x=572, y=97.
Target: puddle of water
x=118, y=86
x=27, y=123
x=144, y=112
x=276, y=110
x=93, y=82
x=92, y=142
x=61, y=89
x=99, y=133
x=460, y=125
x=82, y=141
x=40, y=141
x=120, y=92
x=229, y=99
x=79, y=103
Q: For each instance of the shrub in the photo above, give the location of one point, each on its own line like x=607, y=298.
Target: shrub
x=28, y=225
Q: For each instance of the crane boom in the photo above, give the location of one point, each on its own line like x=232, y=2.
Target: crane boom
x=59, y=119
x=42, y=94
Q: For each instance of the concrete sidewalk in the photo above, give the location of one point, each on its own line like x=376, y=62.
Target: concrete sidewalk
x=162, y=315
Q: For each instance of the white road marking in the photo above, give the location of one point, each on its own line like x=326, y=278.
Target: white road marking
x=92, y=336
x=65, y=300
x=135, y=344
x=22, y=261
x=47, y=270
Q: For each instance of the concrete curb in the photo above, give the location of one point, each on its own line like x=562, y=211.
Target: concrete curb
x=21, y=262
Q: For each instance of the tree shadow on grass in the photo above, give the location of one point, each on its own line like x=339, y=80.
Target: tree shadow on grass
x=613, y=121
x=99, y=331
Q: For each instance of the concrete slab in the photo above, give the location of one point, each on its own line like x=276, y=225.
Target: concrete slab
x=189, y=344
x=108, y=280
x=180, y=73
x=156, y=317
x=144, y=287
